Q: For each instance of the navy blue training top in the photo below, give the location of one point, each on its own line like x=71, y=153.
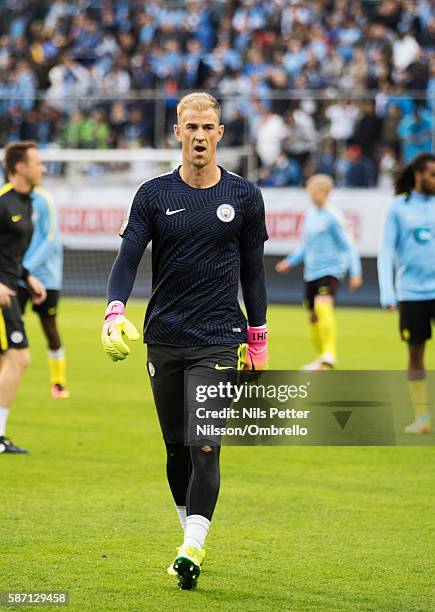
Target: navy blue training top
x=198, y=239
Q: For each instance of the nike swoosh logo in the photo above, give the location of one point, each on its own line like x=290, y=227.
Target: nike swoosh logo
x=174, y=212
x=16, y=218
x=219, y=367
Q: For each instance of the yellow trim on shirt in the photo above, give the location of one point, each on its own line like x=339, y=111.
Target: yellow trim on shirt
x=7, y=187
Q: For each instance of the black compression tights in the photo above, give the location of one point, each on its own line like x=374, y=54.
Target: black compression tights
x=194, y=477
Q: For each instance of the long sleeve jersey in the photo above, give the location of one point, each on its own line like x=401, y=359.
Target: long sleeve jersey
x=406, y=259
x=44, y=257
x=325, y=249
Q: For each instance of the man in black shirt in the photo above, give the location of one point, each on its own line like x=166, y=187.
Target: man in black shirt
x=207, y=227
x=24, y=169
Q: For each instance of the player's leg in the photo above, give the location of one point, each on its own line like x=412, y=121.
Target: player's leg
x=313, y=323
x=204, y=483
x=15, y=359
x=415, y=329
x=202, y=496
x=47, y=312
x=203, y=493
x=323, y=327
x=14, y=363
x=166, y=370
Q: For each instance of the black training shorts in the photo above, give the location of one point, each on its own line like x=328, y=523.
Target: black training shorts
x=166, y=368
x=326, y=285
x=12, y=332
x=48, y=308
x=415, y=320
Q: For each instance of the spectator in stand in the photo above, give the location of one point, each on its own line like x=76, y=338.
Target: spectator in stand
x=252, y=50
x=141, y=73
x=134, y=131
x=388, y=167
x=99, y=129
x=355, y=73
x=39, y=125
x=22, y=85
x=367, y=133
x=401, y=98
x=312, y=71
x=106, y=51
x=390, y=126
x=415, y=132
x=284, y=172
x=431, y=85
x=300, y=133
x=277, y=81
x=117, y=82
x=271, y=131
x=378, y=41
x=87, y=132
x=295, y=58
x=348, y=35
x=418, y=72
x=117, y=121
x=342, y=116
x=237, y=88
x=57, y=11
x=193, y=66
x=72, y=136
x=69, y=80
x=357, y=173
x=324, y=160
x=234, y=135
x=333, y=66
x=405, y=50
x=85, y=39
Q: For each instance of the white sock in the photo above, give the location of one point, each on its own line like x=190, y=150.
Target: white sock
x=196, y=531
x=181, y=511
x=4, y=413
x=56, y=355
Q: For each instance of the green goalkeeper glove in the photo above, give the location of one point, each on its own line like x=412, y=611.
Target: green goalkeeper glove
x=115, y=327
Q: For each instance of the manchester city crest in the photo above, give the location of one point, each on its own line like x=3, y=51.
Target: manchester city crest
x=151, y=369
x=225, y=213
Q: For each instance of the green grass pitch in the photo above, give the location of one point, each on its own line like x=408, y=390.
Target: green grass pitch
x=89, y=510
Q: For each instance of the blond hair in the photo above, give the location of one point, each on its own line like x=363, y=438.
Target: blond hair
x=199, y=100
x=321, y=178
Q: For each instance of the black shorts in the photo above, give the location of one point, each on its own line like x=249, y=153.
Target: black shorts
x=48, y=308
x=326, y=285
x=12, y=332
x=166, y=367
x=415, y=320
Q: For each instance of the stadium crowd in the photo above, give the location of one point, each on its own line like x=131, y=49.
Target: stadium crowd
x=343, y=87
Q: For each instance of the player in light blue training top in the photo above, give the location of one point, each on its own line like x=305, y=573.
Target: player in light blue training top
x=408, y=247
x=327, y=251
x=44, y=258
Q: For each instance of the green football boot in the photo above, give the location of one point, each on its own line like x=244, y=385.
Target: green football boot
x=188, y=566
x=171, y=572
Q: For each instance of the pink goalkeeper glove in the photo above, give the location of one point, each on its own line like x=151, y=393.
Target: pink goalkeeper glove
x=255, y=355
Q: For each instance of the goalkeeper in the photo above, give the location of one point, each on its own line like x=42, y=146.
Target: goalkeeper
x=207, y=228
